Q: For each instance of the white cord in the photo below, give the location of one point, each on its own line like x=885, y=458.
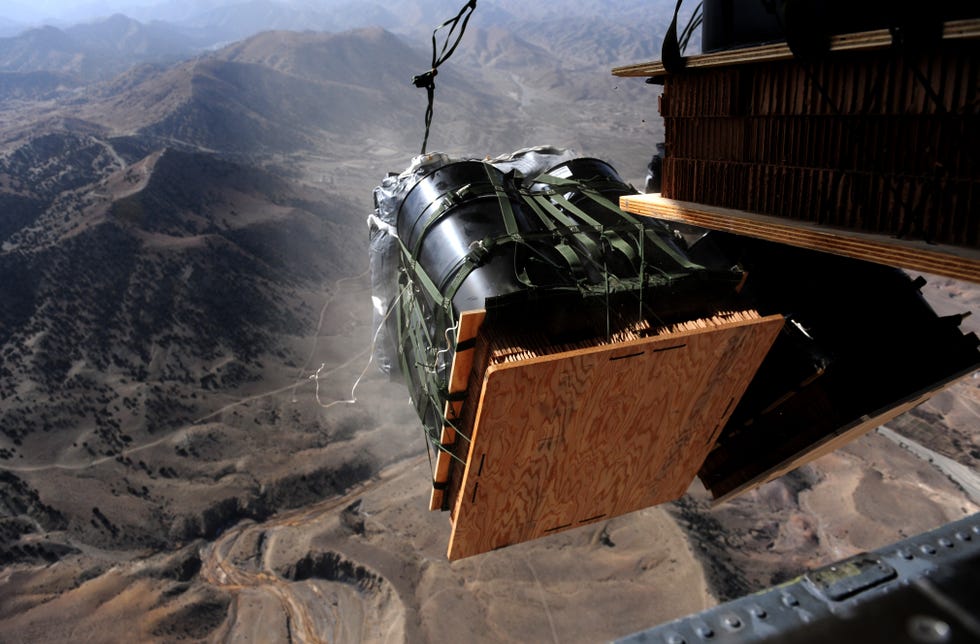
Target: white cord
x=455, y=331
x=374, y=340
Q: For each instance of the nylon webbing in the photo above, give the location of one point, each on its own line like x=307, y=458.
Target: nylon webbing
x=651, y=235
x=427, y=80
x=587, y=188
x=503, y=199
x=442, y=204
x=614, y=239
x=567, y=252
x=420, y=273
x=590, y=247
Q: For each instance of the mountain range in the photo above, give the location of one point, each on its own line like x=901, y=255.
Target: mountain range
x=168, y=228
x=584, y=36
x=190, y=444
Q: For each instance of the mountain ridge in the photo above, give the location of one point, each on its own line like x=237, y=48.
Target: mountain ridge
x=169, y=237
x=189, y=424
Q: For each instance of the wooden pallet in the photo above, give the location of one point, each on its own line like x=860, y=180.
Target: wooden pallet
x=949, y=261
x=566, y=436
x=872, y=139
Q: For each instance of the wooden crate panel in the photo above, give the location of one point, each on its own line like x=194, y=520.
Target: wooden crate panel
x=469, y=326
x=562, y=440
x=863, y=41
x=872, y=138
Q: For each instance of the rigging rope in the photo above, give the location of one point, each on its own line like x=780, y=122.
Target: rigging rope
x=374, y=341
x=427, y=81
x=672, y=50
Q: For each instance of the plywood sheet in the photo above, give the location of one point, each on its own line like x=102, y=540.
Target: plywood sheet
x=581, y=435
x=949, y=261
x=863, y=41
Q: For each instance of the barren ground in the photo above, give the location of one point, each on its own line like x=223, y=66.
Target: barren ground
x=367, y=563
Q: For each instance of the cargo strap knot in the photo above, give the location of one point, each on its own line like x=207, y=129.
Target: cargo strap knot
x=426, y=80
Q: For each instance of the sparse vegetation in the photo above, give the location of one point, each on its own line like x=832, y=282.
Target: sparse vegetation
x=171, y=246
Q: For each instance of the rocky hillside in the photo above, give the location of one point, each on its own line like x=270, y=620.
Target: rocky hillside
x=169, y=244
x=174, y=275
x=185, y=312
x=155, y=260
x=172, y=249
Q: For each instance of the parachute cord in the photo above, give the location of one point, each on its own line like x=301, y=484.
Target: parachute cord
x=449, y=344
x=697, y=17
x=427, y=80
x=428, y=452
x=374, y=341
x=673, y=47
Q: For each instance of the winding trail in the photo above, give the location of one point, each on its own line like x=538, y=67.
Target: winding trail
x=196, y=424
x=308, y=615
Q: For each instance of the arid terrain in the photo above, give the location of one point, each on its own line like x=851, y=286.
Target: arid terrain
x=185, y=308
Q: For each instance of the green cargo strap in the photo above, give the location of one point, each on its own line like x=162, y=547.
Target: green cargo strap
x=411, y=333
x=503, y=199
x=439, y=206
x=617, y=242
x=444, y=298
x=568, y=253
x=400, y=317
x=591, y=248
x=415, y=326
x=651, y=235
x=585, y=187
x=536, y=209
x=452, y=286
x=447, y=201
x=420, y=273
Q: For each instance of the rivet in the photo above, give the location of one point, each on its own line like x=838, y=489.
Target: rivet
x=963, y=536
x=928, y=630
x=945, y=543
x=674, y=638
x=790, y=600
x=927, y=549
x=705, y=632
x=905, y=553
x=758, y=611
x=732, y=621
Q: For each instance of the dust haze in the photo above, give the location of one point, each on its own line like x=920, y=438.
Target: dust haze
x=187, y=307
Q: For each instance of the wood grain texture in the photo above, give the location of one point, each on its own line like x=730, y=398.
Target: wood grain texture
x=566, y=439
x=949, y=261
x=469, y=326
x=863, y=41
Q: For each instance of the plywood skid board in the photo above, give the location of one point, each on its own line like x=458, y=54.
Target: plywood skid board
x=863, y=41
x=838, y=439
x=950, y=261
x=579, y=436
x=469, y=326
